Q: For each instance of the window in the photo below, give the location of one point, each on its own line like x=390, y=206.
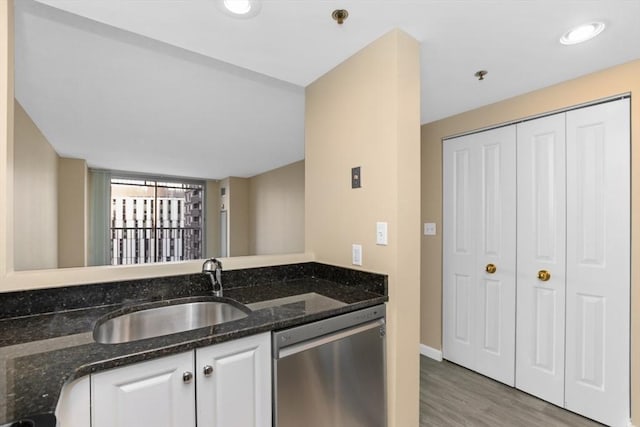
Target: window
x=155, y=220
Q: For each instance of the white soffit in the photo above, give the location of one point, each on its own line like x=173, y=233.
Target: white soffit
x=126, y=102
x=206, y=79
x=297, y=41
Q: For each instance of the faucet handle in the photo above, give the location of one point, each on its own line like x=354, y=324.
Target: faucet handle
x=207, y=265
x=211, y=264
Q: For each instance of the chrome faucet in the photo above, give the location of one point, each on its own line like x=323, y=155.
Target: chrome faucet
x=213, y=268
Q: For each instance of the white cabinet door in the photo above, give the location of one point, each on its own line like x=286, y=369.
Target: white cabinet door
x=541, y=247
x=74, y=404
x=598, y=262
x=152, y=393
x=480, y=233
x=235, y=390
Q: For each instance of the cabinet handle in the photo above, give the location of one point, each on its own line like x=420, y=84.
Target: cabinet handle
x=208, y=370
x=187, y=377
x=490, y=268
x=544, y=275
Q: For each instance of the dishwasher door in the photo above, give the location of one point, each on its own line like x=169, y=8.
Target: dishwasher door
x=337, y=379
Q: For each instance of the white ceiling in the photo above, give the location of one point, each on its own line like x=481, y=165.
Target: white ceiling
x=120, y=78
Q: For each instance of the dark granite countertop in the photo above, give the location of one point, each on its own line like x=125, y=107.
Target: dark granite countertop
x=46, y=336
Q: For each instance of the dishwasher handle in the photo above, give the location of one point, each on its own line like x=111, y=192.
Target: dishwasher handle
x=324, y=327
x=325, y=339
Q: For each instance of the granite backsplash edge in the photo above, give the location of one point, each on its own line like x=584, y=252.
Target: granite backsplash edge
x=48, y=300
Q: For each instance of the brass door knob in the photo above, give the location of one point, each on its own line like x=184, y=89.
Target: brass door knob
x=544, y=275
x=490, y=268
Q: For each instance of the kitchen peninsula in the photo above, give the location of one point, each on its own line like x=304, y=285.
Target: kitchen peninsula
x=46, y=336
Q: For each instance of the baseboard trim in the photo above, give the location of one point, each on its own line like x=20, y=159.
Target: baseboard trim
x=629, y=423
x=431, y=352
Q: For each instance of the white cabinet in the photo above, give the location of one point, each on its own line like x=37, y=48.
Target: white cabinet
x=158, y=393
x=74, y=404
x=166, y=391
x=571, y=280
x=479, y=252
x=234, y=384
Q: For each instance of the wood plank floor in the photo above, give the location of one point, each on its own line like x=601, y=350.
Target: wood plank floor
x=451, y=395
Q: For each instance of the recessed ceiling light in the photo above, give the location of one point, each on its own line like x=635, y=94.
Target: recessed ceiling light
x=240, y=8
x=582, y=33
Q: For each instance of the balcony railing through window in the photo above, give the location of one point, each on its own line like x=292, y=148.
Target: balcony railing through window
x=155, y=221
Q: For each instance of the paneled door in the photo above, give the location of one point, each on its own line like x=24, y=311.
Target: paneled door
x=159, y=393
x=479, y=252
x=234, y=383
x=541, y=258
x=598, y=262
x=459, y=273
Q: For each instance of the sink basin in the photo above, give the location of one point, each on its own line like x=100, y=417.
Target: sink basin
x=171, y=319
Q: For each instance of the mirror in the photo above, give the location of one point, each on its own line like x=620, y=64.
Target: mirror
x=92, y=98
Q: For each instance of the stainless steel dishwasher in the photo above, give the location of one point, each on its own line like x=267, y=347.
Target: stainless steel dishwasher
x=331, y=373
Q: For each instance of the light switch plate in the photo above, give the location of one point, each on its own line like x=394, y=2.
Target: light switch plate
x=356, y=179
x=381, y=233
x=356, y=254
x=429, y=228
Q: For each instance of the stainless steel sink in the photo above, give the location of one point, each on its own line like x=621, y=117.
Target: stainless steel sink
x=171, y=319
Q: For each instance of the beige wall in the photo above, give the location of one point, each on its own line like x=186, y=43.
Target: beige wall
x=365, y=112
x=212, y=219
x=276, y=211
x=35, y=196
x=73, y=205
x=265, y=213
x=617, y=80
x=6, y=137
x=238, y=216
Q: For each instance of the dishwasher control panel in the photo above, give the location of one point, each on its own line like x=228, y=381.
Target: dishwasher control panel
x=298, y=334
x=367, y=315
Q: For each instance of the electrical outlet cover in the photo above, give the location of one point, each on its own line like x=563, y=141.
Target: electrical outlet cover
x=381, y=233
x=356, y=254
x=429, y=228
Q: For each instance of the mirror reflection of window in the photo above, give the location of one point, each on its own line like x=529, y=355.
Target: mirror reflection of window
x=149, y=220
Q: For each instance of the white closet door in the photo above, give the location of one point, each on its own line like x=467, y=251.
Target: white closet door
x=598, y=262
x=496, y=233
x=459, y=245
x=479, y=229
x=541, y=247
